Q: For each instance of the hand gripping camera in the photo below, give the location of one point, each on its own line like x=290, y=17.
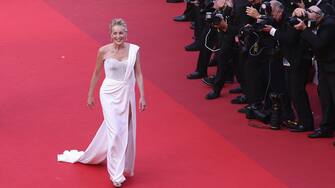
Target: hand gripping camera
x=292, y=21
x=215, y=17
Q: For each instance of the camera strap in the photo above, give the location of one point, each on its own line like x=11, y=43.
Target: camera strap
x=206, y=39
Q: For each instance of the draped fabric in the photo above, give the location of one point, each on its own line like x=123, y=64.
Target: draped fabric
x=115, y=139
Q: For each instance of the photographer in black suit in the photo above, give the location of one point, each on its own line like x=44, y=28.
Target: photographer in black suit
x=264, y=71
x=325, y=5
x=208, y=39
x=320, y=37
x=297, y=61
x=228, y=47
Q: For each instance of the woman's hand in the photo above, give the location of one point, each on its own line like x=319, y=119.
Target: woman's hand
x=90, y=102
x=143, y=104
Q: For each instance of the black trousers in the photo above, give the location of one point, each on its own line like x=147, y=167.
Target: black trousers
x=225, y=59
x=257, y=77
x=296, y=80
x=264, y=76
x=205, y=54
x=326, y=91
x=189, y=11
x=240, y=70
x=198, y=23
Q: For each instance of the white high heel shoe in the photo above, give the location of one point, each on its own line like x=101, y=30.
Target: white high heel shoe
x=117, y=184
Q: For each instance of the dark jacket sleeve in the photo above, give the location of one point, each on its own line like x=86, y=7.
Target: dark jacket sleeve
x=286, y=34
x=319, y=41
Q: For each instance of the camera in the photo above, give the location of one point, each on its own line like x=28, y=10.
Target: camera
x=255, y=28
x=217, y=16
x=276, y=101
x=255, y=112
x=292, y=21
x=266, y=9
x=264, y=20
x=252, y=37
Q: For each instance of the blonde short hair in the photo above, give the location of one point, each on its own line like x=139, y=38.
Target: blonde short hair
x=118, y=22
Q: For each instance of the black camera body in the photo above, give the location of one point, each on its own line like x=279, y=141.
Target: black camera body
x=266, y=8
x=264, y=20
x=292, y=21
x=217, y=16
x=251, y=35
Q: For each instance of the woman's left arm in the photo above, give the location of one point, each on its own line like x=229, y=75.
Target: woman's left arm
x=139, y=79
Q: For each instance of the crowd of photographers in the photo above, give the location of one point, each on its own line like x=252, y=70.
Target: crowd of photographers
x=270, y=47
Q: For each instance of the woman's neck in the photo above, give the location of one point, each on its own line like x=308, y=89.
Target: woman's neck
x=117, y=47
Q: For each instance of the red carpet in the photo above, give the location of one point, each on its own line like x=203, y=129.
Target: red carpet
x=48, y=53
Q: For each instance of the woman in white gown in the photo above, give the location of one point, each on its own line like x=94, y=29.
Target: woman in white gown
x=115, y=139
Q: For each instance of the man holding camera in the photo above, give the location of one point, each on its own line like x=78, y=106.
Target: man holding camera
x=263, y=67
x=297, y=61
x=208, y=38
x=320, y=38
x=228, y=49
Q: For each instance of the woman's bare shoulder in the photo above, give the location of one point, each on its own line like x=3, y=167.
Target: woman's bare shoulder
x=103, y=49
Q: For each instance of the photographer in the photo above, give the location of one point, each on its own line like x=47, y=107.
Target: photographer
x=297, y=61
x=228, y=48
x=263, y=70
x=209, y=37
x=325, y=5
x=320, y=37
x=192, y=13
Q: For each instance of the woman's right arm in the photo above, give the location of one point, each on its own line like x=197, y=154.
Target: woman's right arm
x=95, y=78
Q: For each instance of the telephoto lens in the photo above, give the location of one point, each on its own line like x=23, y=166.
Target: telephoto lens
x=275, y=120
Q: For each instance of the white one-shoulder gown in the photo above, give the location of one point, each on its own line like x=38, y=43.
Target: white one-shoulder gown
x=115, y=139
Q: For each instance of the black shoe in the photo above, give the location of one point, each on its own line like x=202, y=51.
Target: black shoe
x=274, y=127
x=236, y=90
x=194, y=75
x=209, y=80
x=181, y=18
x=242, y=99
x=301, y=128
x=212, y=95
x=255, y=112
x=244, y=110
x=192, y=47
x=174, y=1
x=321, y=134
